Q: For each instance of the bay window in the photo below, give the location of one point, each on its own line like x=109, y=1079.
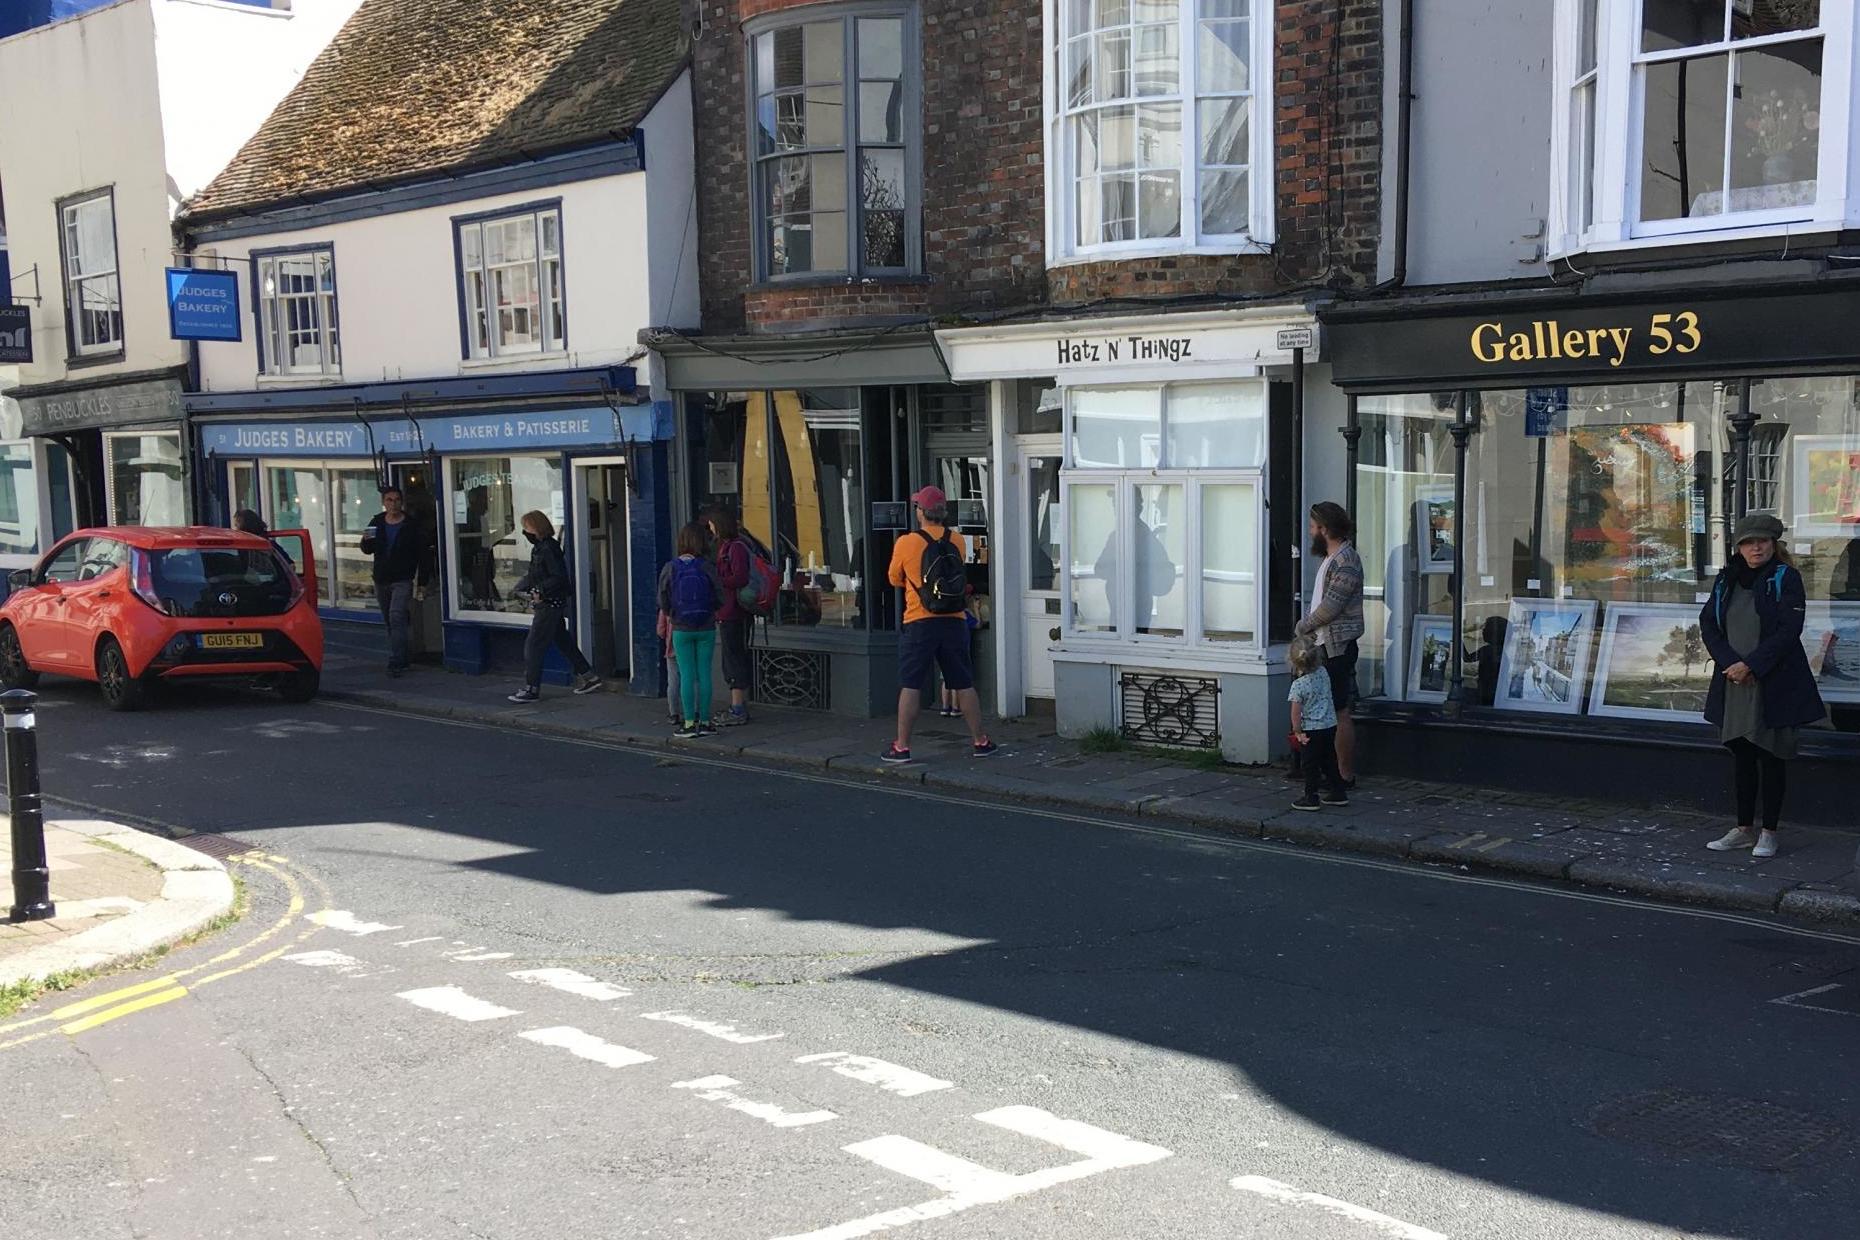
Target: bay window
x=1159, y=126
x=1162, y=496
x=1685, y=117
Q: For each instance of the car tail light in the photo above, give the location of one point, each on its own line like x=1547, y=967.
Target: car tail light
x=144, y=586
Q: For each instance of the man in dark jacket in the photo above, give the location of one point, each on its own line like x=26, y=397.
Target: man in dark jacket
x=399, y=546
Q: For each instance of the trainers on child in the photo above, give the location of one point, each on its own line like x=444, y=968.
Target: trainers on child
x=686, y=732
x=1334, y=799
x=893, y=754
x=1766, y=845
x=1307, y=802
x=1734, y=839
x=983, y=748
x=527, y=693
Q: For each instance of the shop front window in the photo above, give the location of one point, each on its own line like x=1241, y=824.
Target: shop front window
x=489, y=555
x=357, y=500
x=19, y=501
x=143, y=473
x=1161, y=495
x=298, y=497
x=1596, y=520
x=334, y=502
x=790, y=464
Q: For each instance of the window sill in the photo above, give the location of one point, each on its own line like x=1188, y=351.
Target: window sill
x=1136, y=652
x=82, y=361
x=557, y=360
x=839, y=281
x=1229, y=250
x=291, y=381
x=1800, y=230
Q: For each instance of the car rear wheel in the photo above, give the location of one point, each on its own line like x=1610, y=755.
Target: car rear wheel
x=121, y=691
x=14, y=674
x=299, y=686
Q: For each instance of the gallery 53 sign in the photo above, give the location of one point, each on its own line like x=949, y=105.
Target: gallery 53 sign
x=1574, y=342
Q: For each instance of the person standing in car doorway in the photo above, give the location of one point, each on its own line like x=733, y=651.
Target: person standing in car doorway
x=399, y=548
x=1335, y=621
x=928, y=564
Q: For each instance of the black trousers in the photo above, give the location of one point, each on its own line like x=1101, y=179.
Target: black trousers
x=1320, y=762
x=1758, y=770
x=548, y=624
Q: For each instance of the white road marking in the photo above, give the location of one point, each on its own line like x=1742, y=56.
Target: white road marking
x=347, y=966
x=574, y=983
x=587, y=1046
x=1795, y=1000
x=904, y=1082
x=967, y=1185
x=1277, y=1190
x=451, y=1001
x=478, y=955
x=720, y=1089
x=348, y=923
x=729, y=1033
x=431, y=938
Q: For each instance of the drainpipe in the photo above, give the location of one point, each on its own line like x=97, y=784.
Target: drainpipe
x=1461, y=430
x=1352, y=433
x=1298, y=483
x=1404, y=141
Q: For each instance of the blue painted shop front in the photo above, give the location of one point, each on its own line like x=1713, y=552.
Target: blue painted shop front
x=576, y=451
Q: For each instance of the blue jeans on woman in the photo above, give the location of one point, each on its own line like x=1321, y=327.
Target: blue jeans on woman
x=694, y=649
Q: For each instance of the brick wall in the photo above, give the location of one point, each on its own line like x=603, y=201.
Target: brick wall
x=984, y=181
x=984, y=177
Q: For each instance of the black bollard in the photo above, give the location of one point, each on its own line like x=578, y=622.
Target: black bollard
x=32, y=877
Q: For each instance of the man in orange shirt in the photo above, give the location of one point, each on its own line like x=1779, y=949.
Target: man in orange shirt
x=927, y=563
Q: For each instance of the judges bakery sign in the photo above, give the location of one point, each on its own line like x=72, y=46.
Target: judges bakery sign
x=126, y=404
x=1509, y=346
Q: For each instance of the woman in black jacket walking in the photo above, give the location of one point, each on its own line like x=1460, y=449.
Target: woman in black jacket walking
x=1762, y=691
x=547, y=585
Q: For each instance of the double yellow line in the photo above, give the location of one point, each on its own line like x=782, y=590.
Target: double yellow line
x=86, y=1014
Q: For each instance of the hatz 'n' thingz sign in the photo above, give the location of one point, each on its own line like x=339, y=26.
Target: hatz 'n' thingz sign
x=126, y=404
x=15, y=334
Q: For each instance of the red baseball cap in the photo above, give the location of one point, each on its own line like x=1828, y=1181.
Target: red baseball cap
x=930, y=499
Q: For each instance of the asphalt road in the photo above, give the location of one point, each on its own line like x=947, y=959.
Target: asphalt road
x=779, y=1006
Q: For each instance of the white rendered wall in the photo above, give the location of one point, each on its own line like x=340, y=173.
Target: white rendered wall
x=397, y=288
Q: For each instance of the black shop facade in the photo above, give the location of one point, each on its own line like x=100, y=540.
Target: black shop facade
x=1545, y=484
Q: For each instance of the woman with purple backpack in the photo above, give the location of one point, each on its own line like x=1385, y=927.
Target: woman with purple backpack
x=691, y=595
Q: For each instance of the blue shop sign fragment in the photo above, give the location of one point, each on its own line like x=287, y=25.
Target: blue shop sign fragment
x=562, y=428
x=1546, y=411
x=203, y=305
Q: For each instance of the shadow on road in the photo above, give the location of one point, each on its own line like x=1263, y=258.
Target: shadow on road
x=1621, y=1060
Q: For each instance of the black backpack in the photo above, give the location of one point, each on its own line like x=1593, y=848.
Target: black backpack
x=945, y=588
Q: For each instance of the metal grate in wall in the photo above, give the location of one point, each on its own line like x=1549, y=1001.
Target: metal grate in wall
x=1157, y=708
x=790, y=678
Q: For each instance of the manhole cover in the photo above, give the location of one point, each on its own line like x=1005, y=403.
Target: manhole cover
x=220, y=846
x=1742, y=1132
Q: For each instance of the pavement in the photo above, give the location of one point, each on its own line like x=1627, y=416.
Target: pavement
x=504, y=984
x=1645, y=850
x=118, y=893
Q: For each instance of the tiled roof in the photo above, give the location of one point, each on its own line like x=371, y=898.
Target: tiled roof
x=411, y=88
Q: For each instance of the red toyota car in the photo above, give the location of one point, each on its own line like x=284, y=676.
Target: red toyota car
x=126, y=606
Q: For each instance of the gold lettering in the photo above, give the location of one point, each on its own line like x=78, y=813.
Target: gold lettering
x=1492, y=350
x=1572, y=344
x=1521, y=347
x=1596, y=336
x=1620, y=336
x=1537, y=334
x=1689, y=328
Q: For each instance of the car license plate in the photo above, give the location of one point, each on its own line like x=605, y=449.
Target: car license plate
x=232, y=641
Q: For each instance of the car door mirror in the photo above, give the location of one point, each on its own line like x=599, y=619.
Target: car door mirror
x=19, y=579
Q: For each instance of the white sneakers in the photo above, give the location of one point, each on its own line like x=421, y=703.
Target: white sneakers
x=1760, y=844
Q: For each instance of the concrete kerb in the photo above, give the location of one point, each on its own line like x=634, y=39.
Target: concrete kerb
x=195, y=890
x=1675, y=883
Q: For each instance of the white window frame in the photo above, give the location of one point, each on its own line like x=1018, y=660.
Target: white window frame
x=550, y=343
x=1620, y=111
x=273, y=330
x=1062, y=247
x=75, y=280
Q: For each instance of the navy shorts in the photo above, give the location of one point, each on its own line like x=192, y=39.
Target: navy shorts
x=940, y=640
x=1342, y=671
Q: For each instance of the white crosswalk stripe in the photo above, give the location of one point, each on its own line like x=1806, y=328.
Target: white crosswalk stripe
x=454, y=1002
x=573, y=983
x=716, y=1029
x=904, y=1082
x=587, y=1046
x=722, y=1089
